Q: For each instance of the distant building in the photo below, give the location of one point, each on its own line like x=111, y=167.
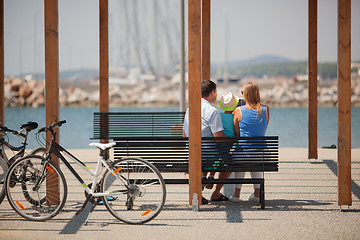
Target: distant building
x=303, y=78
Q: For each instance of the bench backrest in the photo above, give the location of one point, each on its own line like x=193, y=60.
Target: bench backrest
x=109, y=125
x=170, y=154
x=157, y=137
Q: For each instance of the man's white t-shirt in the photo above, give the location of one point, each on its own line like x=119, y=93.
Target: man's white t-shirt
x=210, y=120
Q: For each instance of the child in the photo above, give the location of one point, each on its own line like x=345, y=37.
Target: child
x=228, y=103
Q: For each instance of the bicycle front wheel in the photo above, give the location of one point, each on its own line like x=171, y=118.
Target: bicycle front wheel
x=3, y=170
x=140, y=194
x=36, y=190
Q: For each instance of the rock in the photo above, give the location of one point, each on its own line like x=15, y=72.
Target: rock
x=94, y=97
x=63, y=97
x=25, y=91
x=38, y=102
x=77, y=96
x=8, y=94
x=357, y=90
x=15, y=84
x=33, y=84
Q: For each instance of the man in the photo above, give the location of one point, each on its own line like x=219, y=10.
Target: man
x=211, y=126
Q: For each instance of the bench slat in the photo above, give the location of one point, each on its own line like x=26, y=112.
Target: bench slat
x=110, y=125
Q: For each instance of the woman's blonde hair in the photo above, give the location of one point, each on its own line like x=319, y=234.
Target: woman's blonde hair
x=251, y=93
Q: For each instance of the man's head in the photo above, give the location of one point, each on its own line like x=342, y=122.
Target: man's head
x=208, y=90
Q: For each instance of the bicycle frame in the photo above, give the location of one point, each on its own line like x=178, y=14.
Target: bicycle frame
x=56, y=149
x=20, y=150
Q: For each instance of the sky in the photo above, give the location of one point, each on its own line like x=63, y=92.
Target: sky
x=258, y=27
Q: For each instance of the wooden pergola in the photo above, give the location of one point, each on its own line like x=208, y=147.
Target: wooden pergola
x=199, y=19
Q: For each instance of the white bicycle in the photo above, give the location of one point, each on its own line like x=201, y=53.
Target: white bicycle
x=132, y=189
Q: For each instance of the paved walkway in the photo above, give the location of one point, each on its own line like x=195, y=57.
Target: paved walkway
x=301, y=203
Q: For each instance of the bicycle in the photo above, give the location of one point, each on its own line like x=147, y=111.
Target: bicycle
x=5, y=162
x=132, y=189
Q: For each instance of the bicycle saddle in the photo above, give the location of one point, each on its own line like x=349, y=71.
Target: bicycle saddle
x=103, y=146
x=29, y=126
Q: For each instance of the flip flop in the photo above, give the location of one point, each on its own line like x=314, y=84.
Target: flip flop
x=112, y=198
x=222, y=198
x=109, y=198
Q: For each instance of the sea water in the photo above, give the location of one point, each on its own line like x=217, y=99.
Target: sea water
x=289, y=123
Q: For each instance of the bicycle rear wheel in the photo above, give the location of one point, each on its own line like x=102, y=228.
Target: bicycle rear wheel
x=36, y=202
x=38, y=151
x=141, y=194
x=3, y=170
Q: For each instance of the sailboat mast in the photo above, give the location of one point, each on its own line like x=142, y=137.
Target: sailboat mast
x=226, y=35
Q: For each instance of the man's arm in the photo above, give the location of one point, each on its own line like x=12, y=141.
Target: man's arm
x=184, y=134
x=219, y=134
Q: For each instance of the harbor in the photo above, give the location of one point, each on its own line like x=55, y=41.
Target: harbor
x=315, y=191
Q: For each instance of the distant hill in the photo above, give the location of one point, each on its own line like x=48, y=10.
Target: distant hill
x=271, y=65
x=256, y=60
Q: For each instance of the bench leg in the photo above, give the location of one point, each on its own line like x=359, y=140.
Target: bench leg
x=262, y=195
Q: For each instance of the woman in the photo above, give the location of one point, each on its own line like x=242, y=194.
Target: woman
x=250, y=120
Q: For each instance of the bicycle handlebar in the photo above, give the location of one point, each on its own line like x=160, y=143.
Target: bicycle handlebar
x=27, y=127
x=5, y=129
x=55, y=124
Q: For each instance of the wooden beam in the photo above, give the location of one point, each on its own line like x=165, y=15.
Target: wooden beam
x=206, y=22
x=51, y=64
x=104, y=61
x=344, y=102
x=312, y=81
x=194, y=56
x=51, y=86
x=2, y=72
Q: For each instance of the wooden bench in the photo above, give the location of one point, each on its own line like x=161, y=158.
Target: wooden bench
x=157, y=138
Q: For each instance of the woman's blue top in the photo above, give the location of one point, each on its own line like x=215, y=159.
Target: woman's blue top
x=251, y=125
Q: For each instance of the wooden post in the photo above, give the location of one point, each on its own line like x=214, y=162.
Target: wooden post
x=194, y=32
x=312, y=80
x=2, y=72
x=206, y=20
x=51, y=85
x=104, y=65
x=51, y=64
x=182, y=57
x=344, y=102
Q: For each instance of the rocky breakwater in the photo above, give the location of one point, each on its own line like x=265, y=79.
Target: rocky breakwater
x=20, y=93
x=286, y=94
x=23, y=93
